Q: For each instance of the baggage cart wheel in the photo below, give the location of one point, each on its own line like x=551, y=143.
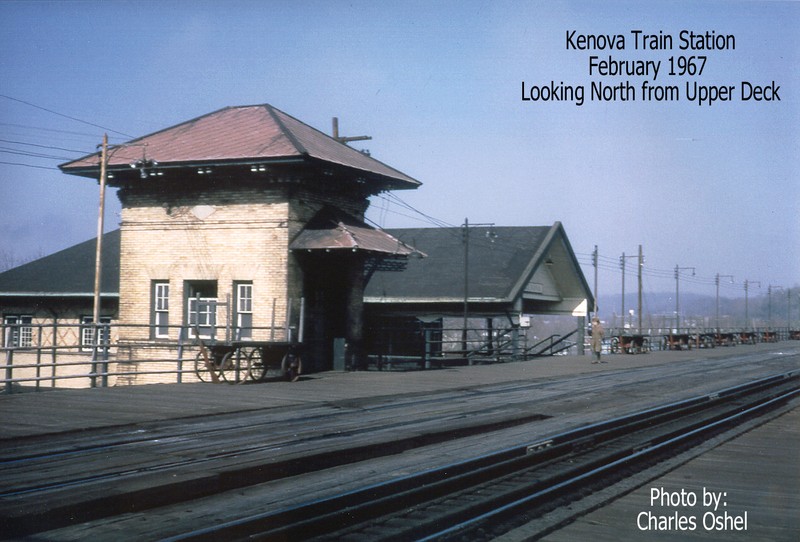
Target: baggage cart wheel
x=233, y=367
x=255, y=365
x=204, y=366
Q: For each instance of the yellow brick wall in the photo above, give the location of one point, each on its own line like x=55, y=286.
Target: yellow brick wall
x=224, y=236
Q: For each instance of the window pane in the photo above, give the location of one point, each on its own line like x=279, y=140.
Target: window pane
x=26, y=332
x=245, y=296
x=161, y=309
x=201, y=307
x=162, y=297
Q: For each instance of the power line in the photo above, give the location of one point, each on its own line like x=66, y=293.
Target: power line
x=42, y=146
x=27, y=165
x=65, y=116
x=433, y=220
x=30, y=127
x=7, y=150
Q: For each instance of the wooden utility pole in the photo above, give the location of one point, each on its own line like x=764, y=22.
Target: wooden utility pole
x=466, y=225
x=622, y=310
x=594, y=263
x=466, y=286
x=641, y=264
x=98, y=262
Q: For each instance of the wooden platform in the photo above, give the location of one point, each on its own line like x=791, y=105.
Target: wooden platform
x=46, y=412
x=755, y=478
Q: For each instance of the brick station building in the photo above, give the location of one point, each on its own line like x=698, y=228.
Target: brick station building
x=247, y=224
x=210, y=210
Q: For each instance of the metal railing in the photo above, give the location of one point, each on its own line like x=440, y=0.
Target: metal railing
x=46, y=356
x=56, y=355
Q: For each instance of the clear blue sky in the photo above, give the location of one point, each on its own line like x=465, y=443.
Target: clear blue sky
x=438, y=86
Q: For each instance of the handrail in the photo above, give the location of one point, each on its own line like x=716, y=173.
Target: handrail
x=552, y=344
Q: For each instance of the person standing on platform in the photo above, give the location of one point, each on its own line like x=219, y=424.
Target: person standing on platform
x=597, y=338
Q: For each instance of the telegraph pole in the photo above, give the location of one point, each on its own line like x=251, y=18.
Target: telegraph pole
x=594, y=263
x=622, y=266
x=716, y=281
x=466, y=225
x=622, y=310
x=769, y=294
x=641, y=265
x=678, y=296
x=466, y=286
x=98, y=261
x=746, y=301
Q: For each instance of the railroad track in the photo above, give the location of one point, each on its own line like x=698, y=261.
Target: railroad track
x=483, y=497
x=99, y=476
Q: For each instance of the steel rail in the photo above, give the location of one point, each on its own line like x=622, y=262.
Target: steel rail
x=525, y=503
x=153, y=435
x=322, y=517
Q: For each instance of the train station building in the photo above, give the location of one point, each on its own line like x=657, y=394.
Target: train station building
x=247, y=224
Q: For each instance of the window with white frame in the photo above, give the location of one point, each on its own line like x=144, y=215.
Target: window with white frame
x=17, y=331
x=201, y=308
x=160, y=314
x=244, y=310
x=87, y=332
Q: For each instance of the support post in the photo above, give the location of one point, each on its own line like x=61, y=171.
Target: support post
x=354, y=326
x=639, y=307
x=595, y=256
x=98, y=260
x=466, y=287
x=622, y=310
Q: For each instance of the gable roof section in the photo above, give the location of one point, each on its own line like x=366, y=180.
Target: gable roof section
x=502, y=263
x=68, y=273
x=240, y=135
x=496, y=263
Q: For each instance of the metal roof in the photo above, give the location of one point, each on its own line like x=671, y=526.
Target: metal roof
x=334, y=230
x=240, y=135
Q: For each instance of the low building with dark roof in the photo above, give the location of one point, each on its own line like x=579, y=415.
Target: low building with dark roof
x=502, y=275
x=56, y=293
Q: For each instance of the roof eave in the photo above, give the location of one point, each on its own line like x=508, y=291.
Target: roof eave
x=57, y=294
x=94, y=171
x=425, y=300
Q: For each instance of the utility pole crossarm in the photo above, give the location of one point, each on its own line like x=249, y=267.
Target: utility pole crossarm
x=346, y=139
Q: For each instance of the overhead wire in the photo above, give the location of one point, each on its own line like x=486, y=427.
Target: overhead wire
x=389, y=199
x=8, y=150
x=76, y=119
x=27, y=165
x=20, y=147
x=42, y=128
x=41, y=146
